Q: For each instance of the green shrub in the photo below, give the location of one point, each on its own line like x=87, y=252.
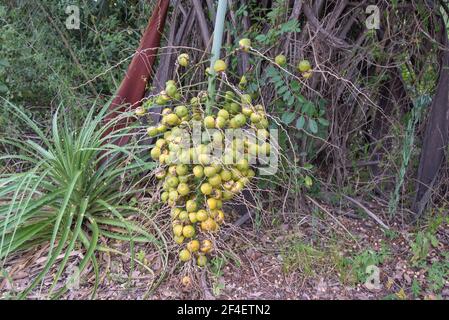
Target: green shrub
x=75, y=188
x=37, y=64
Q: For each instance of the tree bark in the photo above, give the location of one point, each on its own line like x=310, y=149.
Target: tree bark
x=436, y=136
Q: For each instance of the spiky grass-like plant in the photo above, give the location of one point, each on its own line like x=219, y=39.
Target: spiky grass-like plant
x=73, y=192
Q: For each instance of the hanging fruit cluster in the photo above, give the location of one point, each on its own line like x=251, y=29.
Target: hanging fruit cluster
x=196, y=180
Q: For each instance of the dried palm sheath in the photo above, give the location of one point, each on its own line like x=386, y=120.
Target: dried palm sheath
x=133, y=87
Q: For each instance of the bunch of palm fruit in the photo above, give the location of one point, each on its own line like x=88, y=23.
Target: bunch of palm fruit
x=197, y=178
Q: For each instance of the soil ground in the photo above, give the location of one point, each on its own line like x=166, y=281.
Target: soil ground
x=308, y=257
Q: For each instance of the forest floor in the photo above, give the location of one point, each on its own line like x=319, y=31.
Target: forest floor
x=310, y=257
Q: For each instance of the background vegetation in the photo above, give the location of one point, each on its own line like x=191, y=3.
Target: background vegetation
x=354, y=136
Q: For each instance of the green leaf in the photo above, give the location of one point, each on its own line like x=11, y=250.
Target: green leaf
x=282, y=90
x=291, y=100
x=271, y=72
x=308, y=181
x=286, y=96
x=290, y=26
x=308, y=166
x=295, y=86
x=277, y=80
x=261, y=38
x=300, y=122
x=3, y=88
x=323, y=122
x=313, y=126
x=4, y=63
x=46, y=204
x=434, y=241
x=301, y=99
x=288, y=117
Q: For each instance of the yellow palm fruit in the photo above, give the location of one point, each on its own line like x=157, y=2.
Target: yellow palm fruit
x=227, y=195
x=210, y=171
x=201, y=261
x=212, y=203
x=206, y=189
x=140, y=111
x=281, y=60
x=198, y=171
x=183, y=59
x=247, y=110
x=307, y=75
x=172, y=119
x=152, y=131
x=155, y=153
x=219, y=66
x=204, y=159
x=186, y=281
x=177, y=230
x=193, y=246
x=201, y=215
x=245, y=44
x=192, y=217
x=191, y=206
x=175, y=212
x=226, y=175
x=209, y=225
x=188, y=231
x=206, y=246
x=220, y=123
x=237, y=187
x=304, y=66
x=216, y=194
x=182, y=169
x=172, y=181
x=173, y=195
x=160, y=143
x=178, y=240
x=242, y=164
x=214, y=181
x=181, y=111
x=161, y=128
x=184, y=255
x=220, y=217
x=183, y=216
x=213, y=213
x=255, y=117
x=209, y=122
x=171, y=90
x=228, y=185
x=172, y=170
x=183, y=189
x=223, y=113
x=164, y=196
